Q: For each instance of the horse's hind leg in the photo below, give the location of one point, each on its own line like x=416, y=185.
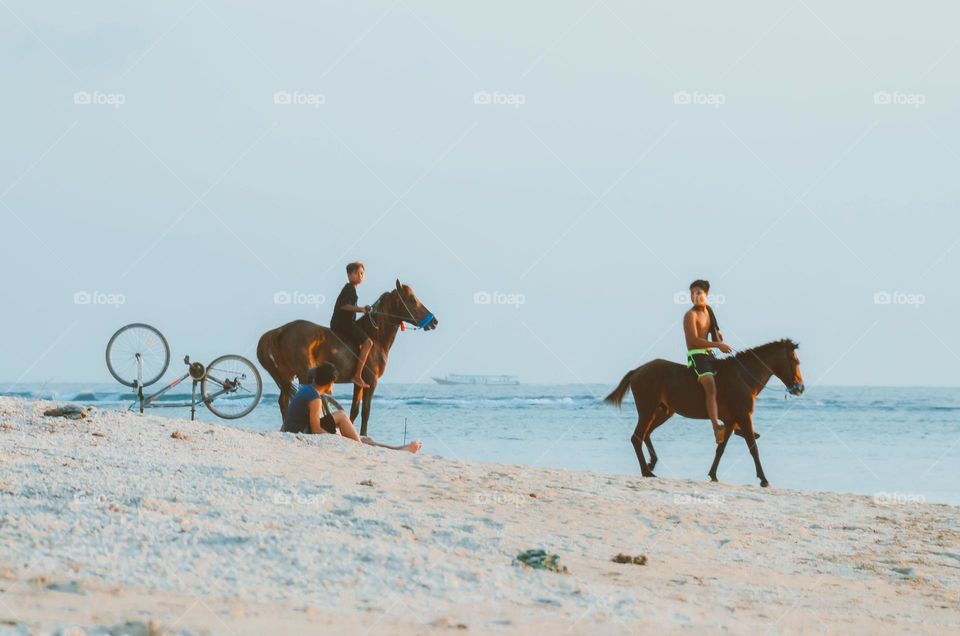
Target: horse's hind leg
x=727, y=432
x=286, y=394
x=663, y=414
x=644, y=424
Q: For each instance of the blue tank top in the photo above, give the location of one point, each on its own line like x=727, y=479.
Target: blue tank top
x=297, y=418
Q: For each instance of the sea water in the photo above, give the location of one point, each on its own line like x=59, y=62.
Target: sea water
x=900, y=445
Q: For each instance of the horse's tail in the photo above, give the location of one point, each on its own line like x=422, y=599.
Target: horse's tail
x=616, y=397
x=267, y=354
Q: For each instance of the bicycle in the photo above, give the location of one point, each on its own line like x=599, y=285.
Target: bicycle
x=138, y=355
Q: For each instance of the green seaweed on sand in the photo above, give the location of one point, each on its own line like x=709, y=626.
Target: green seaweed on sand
x=540, y=560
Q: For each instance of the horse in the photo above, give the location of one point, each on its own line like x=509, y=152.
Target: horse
x=661, y=388
x=298, y=346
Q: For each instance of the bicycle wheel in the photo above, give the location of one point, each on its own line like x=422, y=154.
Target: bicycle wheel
x=135, y=345
x=231, y=387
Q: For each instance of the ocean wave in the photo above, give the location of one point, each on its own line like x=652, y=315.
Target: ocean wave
x=426, y=401
x=489, y=402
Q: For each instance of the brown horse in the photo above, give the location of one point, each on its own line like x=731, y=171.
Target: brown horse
x=296, y=347
x=662, y=388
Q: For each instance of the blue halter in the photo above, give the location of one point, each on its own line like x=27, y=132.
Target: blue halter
x=426, y=321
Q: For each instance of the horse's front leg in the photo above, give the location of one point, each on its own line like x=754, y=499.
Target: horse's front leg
x=751, y=440
x=367, y=403
x=727, y=432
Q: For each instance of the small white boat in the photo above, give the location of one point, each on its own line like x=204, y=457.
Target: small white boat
x=493, y=380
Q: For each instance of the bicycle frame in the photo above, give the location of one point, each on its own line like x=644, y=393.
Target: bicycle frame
x=149, y=401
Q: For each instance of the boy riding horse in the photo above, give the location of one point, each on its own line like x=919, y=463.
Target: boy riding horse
x=344, y=319
x=699, y=323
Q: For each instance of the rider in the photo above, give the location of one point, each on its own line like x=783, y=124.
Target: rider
x=344, y=324
x=699, y=323
x=312, y=410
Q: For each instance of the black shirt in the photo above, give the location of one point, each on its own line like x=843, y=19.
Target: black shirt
x=344, y=319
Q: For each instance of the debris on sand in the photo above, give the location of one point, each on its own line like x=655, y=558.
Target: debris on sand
x=178, y=435
x=540, y=560
x=69, y=411
x=626, y=558
x=446, y=623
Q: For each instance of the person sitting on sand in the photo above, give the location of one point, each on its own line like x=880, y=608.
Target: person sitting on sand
x=312, y=410
x=344, y=319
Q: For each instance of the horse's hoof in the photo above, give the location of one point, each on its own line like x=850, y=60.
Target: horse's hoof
x=649, y=474
x=713, y=478
x=764, y=483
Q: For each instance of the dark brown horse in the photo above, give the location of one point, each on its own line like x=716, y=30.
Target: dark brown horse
x=296, y=347
x=662, y=388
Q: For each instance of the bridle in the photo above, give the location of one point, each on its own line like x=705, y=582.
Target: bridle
x=789, y=389
x=375, y=311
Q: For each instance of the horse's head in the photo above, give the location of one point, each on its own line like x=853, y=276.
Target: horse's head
x=786, y=366
x=408, y=308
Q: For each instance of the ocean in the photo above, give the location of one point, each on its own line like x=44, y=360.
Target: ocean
x=899, y=445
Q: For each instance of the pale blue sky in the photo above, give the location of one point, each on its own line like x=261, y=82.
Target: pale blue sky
x=597, y=198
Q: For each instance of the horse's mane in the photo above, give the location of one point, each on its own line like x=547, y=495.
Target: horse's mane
x=755, y=353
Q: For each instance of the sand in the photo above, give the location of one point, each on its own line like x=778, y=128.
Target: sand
x=116, y=521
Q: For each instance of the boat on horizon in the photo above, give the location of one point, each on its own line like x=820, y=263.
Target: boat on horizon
x=487, y=380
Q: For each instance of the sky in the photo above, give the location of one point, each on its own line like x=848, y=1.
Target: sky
x=547, y=177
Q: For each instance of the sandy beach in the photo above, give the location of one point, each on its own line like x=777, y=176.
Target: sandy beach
x=135, y=523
